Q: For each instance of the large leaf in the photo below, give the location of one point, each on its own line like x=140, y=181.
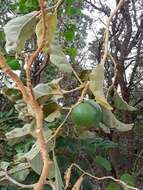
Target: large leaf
x=17, y=134
x=13, y=63
x=36, y=164
x=103, y=162
x=34, y=157
x=58, y=178
x=73, y=11
x=59, y=59
x=110, y=121
x=104, y=128
x=113, y=186
x=12, y=94
x=127, y=178
x=22, y=109
x=51, y=23
x=96, y=85
x=44, y=92
x=20, y=172
x=18, y=30
x=121, y=104
x=21, y=175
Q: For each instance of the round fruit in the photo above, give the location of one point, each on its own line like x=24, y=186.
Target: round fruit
x=14, y=64
x=87, y=114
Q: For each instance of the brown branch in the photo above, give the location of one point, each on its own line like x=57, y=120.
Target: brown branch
x=38, y=110
x=30, y=99
x=107, y=32
x=7, y=70
x=39, y=49
x=103, y=9
x=24, y=186
x=84, y=90
x=44, y=64
x=120, y=182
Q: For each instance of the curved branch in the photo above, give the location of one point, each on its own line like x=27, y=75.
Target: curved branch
x=106, y=41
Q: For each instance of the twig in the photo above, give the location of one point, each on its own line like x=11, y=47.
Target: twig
x=39, y=121
x=70, y=110
x=74, y=90
x=44, y=64
x=57, y=5
x=115, y=74
x=60, y=126
x=17, y=183
x=38, y=110
x=76, y=75
x=122, y=183
x=84, y=92
x=39, y=49
x=24, y=186
x=107, y=32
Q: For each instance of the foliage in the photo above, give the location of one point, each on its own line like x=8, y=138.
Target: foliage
x=34, y=44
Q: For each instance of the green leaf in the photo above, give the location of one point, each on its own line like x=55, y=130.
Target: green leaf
x=127, y=178
x=21, y=175
x=69, y=34
x=104, y=128
x=44, y=92
x=2, y=36
x=4, y=165
x=103, y=162
x=69, y=2
x=72, y=11
x=22, y=109
x=36, y=164
x=71, y=52
x=58, y=58
x=110, y=121
x=32, y=4
x=20, y=172
x=13, y=63
x=113, y=186
x=17, y=134
x=18, y=30
x=12, y=94
x=58, y=178
x=25, y=6
x=120, y=104
x=96, y=85
x=34, y=159
x=51, y=23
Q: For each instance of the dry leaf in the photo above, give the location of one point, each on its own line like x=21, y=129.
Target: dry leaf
x=111, y=121
x=121, y=104
x=51, y=23
x=78, y=183
x=51, y=117
x=96, y=86
x=67, y=177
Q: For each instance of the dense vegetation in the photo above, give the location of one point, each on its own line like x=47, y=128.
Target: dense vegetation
x=71, y=91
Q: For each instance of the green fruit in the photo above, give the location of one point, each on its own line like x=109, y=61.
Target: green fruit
x=14, y=64
x=86, y=115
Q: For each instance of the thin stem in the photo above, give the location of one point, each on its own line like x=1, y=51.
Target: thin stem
x=76, y=75
x=38, y=110
x=106, y=41
x=7, y=70
x=122, y=183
